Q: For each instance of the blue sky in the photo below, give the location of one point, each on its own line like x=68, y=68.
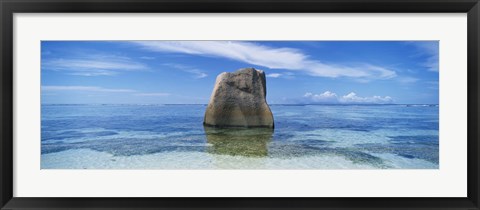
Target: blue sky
x=184, y=72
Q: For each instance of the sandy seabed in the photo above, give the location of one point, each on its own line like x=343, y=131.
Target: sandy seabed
x=90, y=159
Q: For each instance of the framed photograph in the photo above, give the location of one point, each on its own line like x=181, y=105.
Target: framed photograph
x=239, y=105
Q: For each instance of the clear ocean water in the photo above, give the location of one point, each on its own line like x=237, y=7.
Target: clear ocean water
x=305, y=137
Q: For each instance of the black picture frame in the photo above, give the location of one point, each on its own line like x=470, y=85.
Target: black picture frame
x=9, y=7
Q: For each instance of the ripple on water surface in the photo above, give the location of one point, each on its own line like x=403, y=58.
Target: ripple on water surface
x=305, y=137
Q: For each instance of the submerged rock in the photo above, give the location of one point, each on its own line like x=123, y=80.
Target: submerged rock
x=239, y=100
x=247, y=142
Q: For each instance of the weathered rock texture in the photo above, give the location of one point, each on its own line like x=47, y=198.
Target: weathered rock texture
x=238, y=100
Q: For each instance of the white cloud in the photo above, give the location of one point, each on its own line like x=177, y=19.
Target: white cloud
x=240, y=51
x=326, y=97
x=274, y=75
x=85, y=88
x=429, y=49
x=147, y=58
x=197, y=74
x=273, y=58
x=351, y=98
x=93, y=65
x=152, y=94
x=285, y=75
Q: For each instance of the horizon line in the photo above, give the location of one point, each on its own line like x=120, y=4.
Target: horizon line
x=207, y=104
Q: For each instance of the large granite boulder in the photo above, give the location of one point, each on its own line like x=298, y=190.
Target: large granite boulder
x=238, y=100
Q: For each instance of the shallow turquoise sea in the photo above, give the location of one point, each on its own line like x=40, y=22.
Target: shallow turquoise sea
x=305, y=137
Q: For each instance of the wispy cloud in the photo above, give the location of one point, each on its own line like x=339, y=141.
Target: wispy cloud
x=284, y=75
x=93, y=65
x=197, y=73
x=407, y=80
x=274, y=75
x=152, y=94
x=328, y=97
x=85, y=88
x=101, y=90
x=434, y=85
x=430, y=49
x=147, y=58
x=273, y=58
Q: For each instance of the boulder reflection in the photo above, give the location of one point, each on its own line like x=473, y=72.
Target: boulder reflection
x=249, y=142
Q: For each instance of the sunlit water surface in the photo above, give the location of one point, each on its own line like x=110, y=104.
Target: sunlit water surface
x=305, y=137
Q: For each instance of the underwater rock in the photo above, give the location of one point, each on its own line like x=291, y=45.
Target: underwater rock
x=247, y=142
x=239, y=100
